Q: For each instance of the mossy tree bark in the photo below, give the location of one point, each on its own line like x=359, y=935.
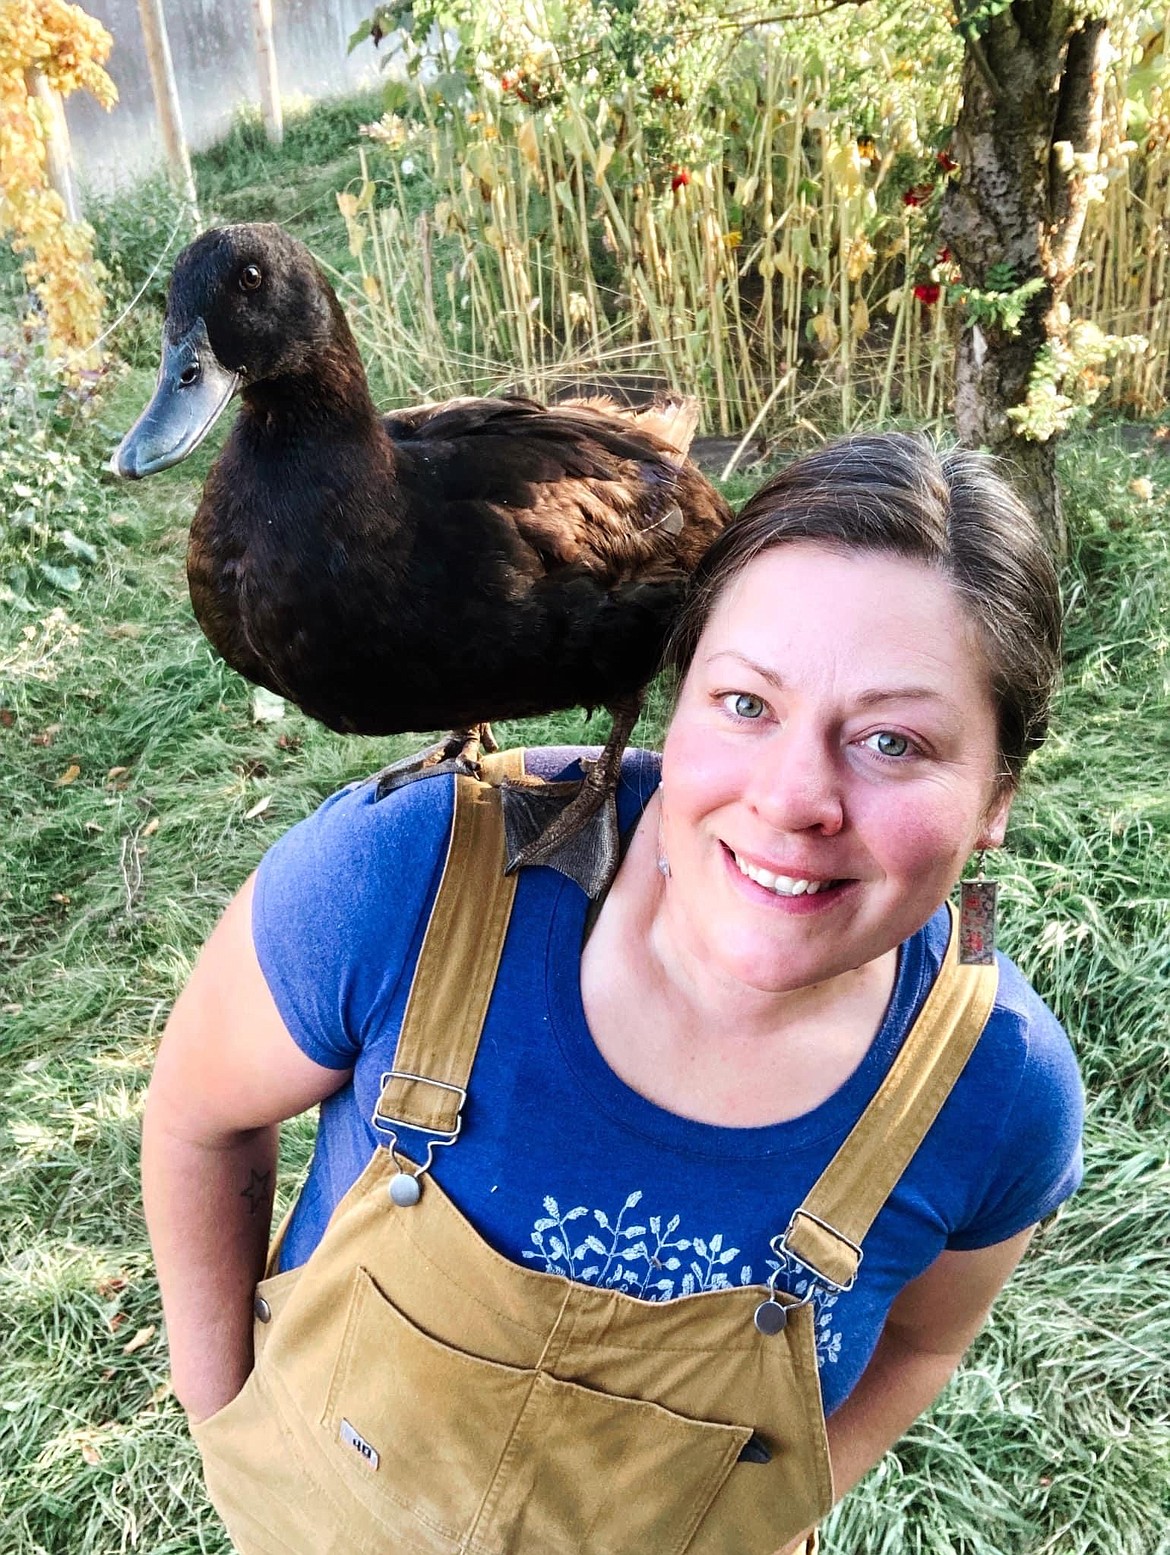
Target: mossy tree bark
x=1027, y=138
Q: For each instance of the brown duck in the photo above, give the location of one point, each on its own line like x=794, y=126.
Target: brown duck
x=440, y=567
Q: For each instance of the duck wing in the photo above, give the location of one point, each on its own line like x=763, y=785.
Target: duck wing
x=577, y=485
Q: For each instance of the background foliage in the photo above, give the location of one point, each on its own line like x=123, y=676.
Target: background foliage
x=668, y=189
x=67, y=48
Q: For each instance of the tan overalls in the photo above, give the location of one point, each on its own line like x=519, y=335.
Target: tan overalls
x=416, y=1393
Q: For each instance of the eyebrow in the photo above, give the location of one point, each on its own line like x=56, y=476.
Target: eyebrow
x=866, y=698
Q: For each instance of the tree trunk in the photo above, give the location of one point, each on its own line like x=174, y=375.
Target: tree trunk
x=1032, y=85
x=58, y=153
x=166, y=99
x=266, y=69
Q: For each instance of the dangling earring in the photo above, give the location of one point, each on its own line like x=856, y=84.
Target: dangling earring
x=977, y=919
x=662, y=861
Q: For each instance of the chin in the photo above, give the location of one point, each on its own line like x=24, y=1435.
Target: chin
x=772, y=970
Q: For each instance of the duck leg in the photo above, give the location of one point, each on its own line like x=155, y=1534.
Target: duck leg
x=457, y=752
x=573, y=827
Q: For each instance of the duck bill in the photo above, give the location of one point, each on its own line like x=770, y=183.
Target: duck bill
x=192, y=392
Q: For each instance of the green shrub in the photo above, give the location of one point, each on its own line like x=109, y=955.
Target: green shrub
x=54, y=512
x=138, y=234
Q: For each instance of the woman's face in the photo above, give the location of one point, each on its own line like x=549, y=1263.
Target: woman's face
x=830, y=766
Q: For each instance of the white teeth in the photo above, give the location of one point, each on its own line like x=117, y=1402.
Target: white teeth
x=782, y=885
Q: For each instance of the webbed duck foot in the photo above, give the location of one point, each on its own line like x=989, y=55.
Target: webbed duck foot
x=457, y=752
x=571, y=827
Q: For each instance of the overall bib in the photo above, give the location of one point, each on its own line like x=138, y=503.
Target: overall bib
x=416, y=1393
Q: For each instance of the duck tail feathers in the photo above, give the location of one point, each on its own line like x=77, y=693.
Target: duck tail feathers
x=672, y=419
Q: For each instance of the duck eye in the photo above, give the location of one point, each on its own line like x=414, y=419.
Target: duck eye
x=250, y=278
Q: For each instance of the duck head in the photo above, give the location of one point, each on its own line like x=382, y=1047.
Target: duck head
x=246, y=304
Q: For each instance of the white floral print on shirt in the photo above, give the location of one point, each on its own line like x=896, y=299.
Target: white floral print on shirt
x=645, y=1257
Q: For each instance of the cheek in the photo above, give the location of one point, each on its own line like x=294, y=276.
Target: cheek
x=699, y=772
x=919, y=841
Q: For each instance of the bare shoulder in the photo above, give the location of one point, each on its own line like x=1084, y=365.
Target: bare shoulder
x=227, y=1063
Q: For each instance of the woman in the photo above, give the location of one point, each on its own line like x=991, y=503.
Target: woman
x=744, y=1149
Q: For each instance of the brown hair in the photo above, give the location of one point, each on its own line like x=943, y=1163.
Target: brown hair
x=897, y=493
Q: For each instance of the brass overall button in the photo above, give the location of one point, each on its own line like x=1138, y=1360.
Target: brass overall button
x=262, y=1310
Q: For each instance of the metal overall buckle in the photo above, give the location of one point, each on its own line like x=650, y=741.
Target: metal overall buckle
x=404, y=1187
x=770, y=1315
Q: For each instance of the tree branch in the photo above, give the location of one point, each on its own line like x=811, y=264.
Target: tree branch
x=979, y=59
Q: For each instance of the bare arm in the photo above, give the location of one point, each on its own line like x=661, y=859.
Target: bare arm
x=927, y=1332
x=227, y=1072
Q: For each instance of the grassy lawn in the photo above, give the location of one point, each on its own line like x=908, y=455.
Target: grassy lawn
x=140, y=789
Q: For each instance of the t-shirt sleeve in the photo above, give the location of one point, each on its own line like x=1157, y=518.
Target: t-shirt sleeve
x=339, y=901
x=1038, y=1162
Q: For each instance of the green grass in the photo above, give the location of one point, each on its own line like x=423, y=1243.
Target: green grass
x=1054, y=1438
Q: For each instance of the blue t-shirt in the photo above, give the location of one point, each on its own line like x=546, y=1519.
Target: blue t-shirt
x=560, y=1165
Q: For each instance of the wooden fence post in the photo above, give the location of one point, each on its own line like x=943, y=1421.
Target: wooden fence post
x=58, y=153
x=266, y=65
x=166, y=98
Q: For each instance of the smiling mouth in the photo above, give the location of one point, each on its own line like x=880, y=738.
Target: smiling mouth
x=781, y=885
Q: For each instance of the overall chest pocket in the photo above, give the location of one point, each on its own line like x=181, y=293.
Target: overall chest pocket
x=450, y=1452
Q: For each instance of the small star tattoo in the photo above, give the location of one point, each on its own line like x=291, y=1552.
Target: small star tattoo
x=256, y=1192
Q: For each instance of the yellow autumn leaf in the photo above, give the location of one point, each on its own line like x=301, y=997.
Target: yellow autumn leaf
x=70, y=775
x=844, y=162
x=479, y=160
x=528, y=143
x=859, y=319
x=55, y=46
x=140, y=1340
x=859, y=256
x=825, y=330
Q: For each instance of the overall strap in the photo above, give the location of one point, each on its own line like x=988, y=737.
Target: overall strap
x=826, y=1232
x=457, y=964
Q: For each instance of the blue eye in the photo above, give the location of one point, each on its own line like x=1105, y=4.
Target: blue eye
x=744, y=705
x=887, y=743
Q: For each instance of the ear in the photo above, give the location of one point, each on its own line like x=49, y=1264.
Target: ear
x=994, y=827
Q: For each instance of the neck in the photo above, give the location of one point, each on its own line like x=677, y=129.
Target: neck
x=329, y=396
x=704, y=1045
x=713, y=1004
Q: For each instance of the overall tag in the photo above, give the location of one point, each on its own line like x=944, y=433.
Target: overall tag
x=354, y=1439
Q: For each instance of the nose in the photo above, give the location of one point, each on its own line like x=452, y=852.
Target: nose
x=796, y=787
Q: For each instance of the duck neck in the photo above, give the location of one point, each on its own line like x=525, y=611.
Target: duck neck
x=327, y=397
